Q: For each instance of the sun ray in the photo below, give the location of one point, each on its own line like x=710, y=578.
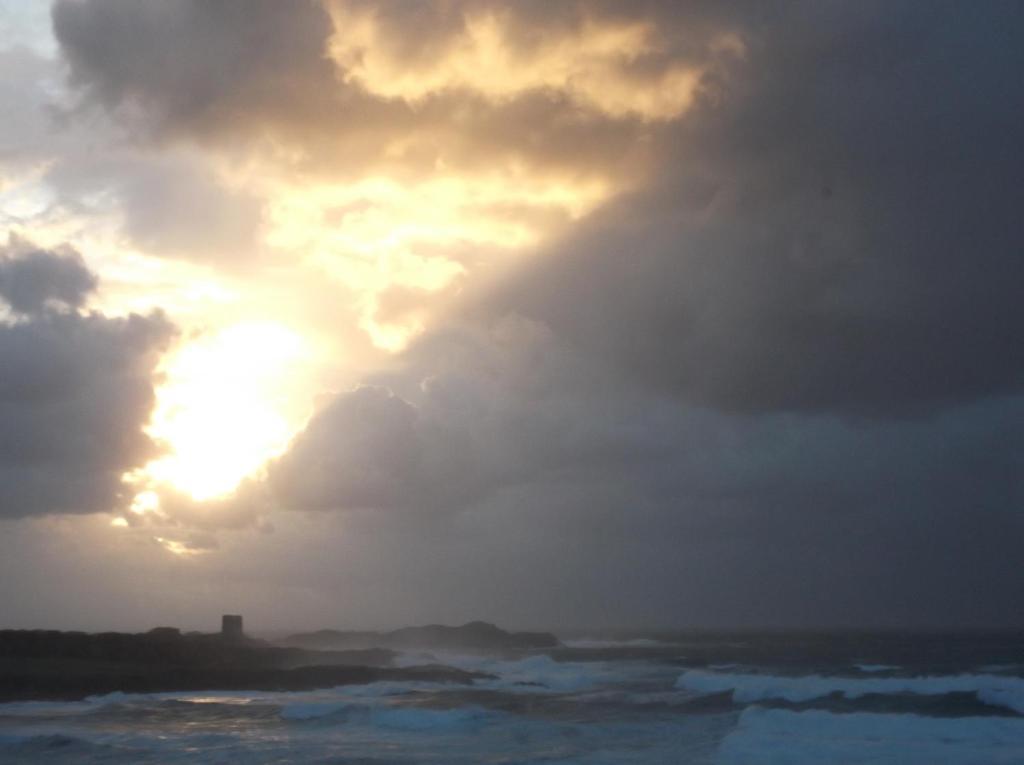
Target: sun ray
x=228, y=403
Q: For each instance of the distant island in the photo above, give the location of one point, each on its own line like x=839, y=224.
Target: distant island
x=48, y=664
x=474, y=637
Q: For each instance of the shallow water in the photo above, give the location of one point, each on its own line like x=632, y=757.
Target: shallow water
x=600, y=701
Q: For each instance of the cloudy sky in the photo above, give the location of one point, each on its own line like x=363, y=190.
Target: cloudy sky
x=357, y=314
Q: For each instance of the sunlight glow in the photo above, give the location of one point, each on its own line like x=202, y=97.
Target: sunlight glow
x=224, y=409
x=177, y=548
x=145, y=502
x=379, y=234
x=592, y=64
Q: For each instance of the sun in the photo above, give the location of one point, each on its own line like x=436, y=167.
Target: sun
x=228, y=403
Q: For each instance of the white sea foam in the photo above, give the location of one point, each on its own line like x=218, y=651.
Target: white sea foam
x=384, y=713
x=747, y=688
x=627, y=717
x=92, y=704
x=534, y=674
x=782, y=737
x=543, y=672
x=208, y=697
x=872, y=668
x=313, y=710
x=45, y=708
x=605, y=643
x=430, y=720
x=1011, y=698
x=384, y=689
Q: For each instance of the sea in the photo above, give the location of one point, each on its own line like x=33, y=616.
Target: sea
x=724, y=699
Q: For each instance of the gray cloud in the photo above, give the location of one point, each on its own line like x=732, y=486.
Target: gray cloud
x=260, y=70
x=371, y=449
x=506, y=448
x=837, y=234
x=189, y=63
x=32, y=279
x=781, y=384
x=75, y=390
x=27, y=128
x=429, y=452
x=473, y=409
x=833, y=228
x=169, y=204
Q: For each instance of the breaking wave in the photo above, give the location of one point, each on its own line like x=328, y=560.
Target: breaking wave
x=996, y=690
x=814, y=737
x=537, y=709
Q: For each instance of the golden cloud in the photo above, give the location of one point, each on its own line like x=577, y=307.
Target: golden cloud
x=619, y=68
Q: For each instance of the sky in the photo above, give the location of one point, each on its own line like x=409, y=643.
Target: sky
x=576, y=314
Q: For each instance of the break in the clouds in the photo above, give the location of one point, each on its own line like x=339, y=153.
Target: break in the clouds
x=684, y=313
x=76, y=388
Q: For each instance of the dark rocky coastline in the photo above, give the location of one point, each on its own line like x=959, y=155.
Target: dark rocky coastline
x=473, y=636
x=42, y=664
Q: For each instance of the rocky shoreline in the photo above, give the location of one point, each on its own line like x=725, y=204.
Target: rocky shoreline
x=68, y=666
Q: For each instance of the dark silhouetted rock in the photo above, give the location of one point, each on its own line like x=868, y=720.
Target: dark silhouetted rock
x=474, y=637
x=43, y=664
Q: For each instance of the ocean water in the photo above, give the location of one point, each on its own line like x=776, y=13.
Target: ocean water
x=650, y=699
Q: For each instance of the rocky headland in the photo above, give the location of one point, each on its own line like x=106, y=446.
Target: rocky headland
x=475, y=637
x=45, y=664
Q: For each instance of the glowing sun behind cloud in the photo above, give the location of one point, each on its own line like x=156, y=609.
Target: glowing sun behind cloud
x=228, y=403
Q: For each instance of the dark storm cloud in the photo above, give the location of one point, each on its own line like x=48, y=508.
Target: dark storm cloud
x=834, y=226
x=475, y=414
x=839, y=233
x=235, y=73
x=371, y=449
x=513, y=461
x=478, y=409
x=31, y=279
x=75, y=390
x=181, y=65
x=779, y=384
